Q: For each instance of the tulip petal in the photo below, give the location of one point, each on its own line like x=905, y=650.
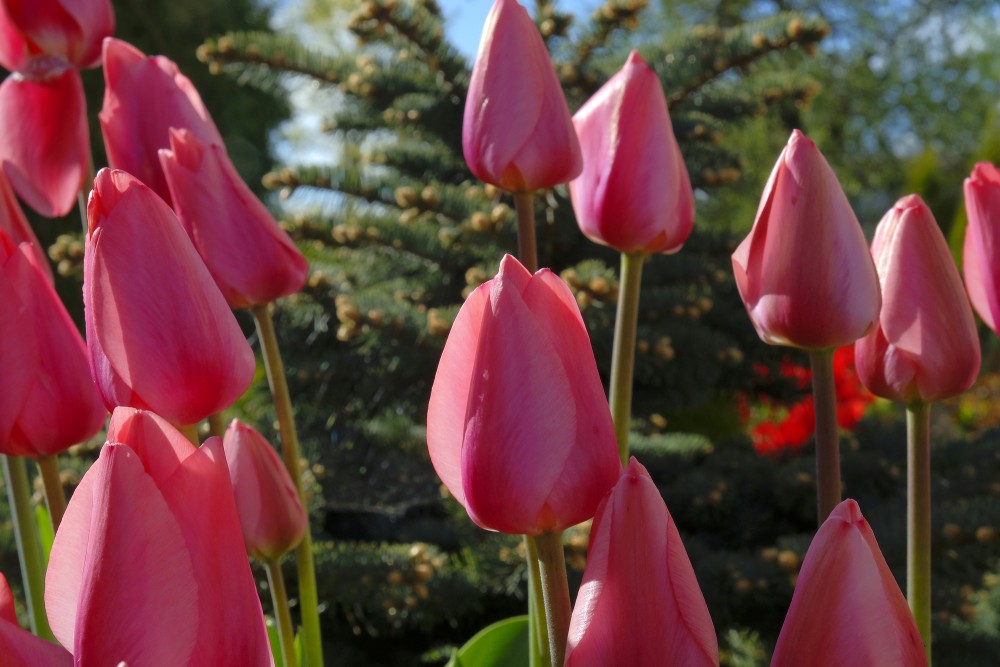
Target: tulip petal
x=115, y=588
x=15, y=225
x=13, y=49
x=8, y=612
x=45, y=143
x=159, y=445
x=19, y=355
x=981, y=248
x=72, y=29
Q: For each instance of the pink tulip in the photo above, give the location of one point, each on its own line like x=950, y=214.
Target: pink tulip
x=634, y=193
x=68, y=29
x=148, y=565
x=925, y=346
x=16, y=227
x=518, y=427
x=143, y=98
x=981, y=254
x=517, y=133
x=847, y=610
x=161, y=335
x=804, y=272
x=48, y=400
x=271, y=513
x=252, y=260
x=19, y=647
x=639, y=603
x=45, y=144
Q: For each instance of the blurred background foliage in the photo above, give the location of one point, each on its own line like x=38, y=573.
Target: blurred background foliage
x=367, y=175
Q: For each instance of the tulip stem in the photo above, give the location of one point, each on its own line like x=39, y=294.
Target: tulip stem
x=918, y=518
x=55, y=496
x=827, y=438
x=527, y=249
x=555, y=590
x=29, y=544
x=191, y=433
x=623, y=352
x=279, y=597
x=538, y=647
x=275, y=367
x=217, y=424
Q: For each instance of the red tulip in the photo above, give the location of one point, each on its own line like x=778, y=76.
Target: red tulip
x=925, y=346
x=148, y=564
x=981, y=254
x=69, y=29
x=143, y=98
x=271, y=513
x=252, y=260
x=19, y=647
x=517, y=133
x=161, y=335
x=804, y=272
x=48, y=400
x=15, y=225
x=847, y=610
x=634, y=193
x=639, y=603
x=518, y=427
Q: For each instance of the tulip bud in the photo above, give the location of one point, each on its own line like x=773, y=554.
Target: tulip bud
x=847, y=610
x=639, y=603
x=924, y=346
x=161, y=335
x=634, y=193
x=271, y=513
x=517, y=133
x=143, y=98
x=981, y=252
x=804, y=272
x=518, y=426
x=251, y=259
x=70, y=30
x=19, y=647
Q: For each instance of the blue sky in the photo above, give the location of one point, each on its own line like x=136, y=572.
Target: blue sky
x=465, y=18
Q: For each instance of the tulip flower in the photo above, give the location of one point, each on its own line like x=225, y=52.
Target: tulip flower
x=518, y=427
x=639, y=603
x=48, y=400
x=804, y=272
x=981, y=251
x=19, y=647
x=847, y=610
x=161, y=335
x=16, y=227
x=148, y=566
x=143, y=98
x=67, y=29
x=634, y=193
x=924, y=346
x=252, y=260
x=517, y=132
x=271, y=513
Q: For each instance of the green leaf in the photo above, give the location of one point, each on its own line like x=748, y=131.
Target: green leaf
x=503, y=644
x=300, y=655
x=45, y=531
x=275, y=641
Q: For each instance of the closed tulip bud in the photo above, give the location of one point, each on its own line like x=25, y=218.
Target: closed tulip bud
x=148, y=565
x=981, y=252
x=271, y=513
x=517, y=133
x=847, y=610
x=65, y=29
x=19, y=647
x=143, y=98
x=518, y=426
x=48, y=400
x=634, y=193
x=161, y=335
x=251, y=259
x=639, y=603
x=925, y=346
x=804, y=272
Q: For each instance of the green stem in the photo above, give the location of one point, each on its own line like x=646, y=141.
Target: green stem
x=217, y=424
x=312, y=640
x=279, y=597
x=623, y=352
x=29, y=545
x=191, y=433
x=527, y=249
x=55, y=495
x=538, y=647
x=555, y=591
x=827, y=438
x=918, y=518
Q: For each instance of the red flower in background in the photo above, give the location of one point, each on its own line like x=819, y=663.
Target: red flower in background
x=777, y=427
